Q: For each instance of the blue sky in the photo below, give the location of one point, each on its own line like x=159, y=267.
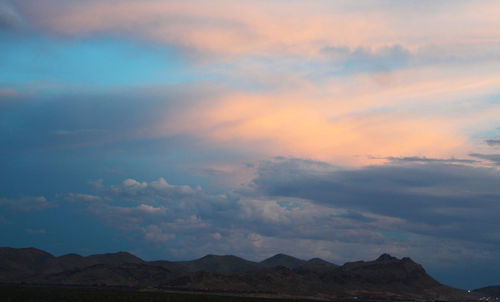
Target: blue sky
x=317, y=129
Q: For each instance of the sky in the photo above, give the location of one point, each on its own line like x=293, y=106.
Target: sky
x=333, y=129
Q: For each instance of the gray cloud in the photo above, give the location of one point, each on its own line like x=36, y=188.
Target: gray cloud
x=434, y=199
x=9, y=16
x=26, y=203
x=494, y=158
x=396, y=207
x=36, y=231
x=493, y=142
x=417, y=159
x=435, y=212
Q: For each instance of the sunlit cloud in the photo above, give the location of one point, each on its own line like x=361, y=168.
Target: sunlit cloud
x=420, y=112
x=243, y=27
x=339, y=129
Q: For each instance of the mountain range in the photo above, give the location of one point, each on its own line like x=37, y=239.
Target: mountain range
x=386, y=277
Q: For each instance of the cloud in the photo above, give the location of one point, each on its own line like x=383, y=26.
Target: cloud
x=432, y=210
x=9, y=17
x=493, y=142
x=417, y=159
x=494, y=158
x=155, y=192
x=36, y=231
x=272, y=27
x=434, y=199
x=156, y=234
x=3, y=220
x=26, y=203
x=8, y=93
x=302, y=125
x=82, y=198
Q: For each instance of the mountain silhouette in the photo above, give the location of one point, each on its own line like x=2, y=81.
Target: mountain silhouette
x=383, y=278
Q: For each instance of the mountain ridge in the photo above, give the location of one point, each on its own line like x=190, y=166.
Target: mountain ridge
x=281, y=274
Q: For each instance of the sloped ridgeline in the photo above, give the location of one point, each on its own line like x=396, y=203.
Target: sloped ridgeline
x=281, y=274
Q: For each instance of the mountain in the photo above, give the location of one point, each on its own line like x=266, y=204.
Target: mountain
x=489, y=291
x=210, y=263
x=318, y=265
x=282, y=260
x=384, y=278
x=20, y=265
x=17, y=264
x=125, y=274
x=114, y=258
x=388, y=271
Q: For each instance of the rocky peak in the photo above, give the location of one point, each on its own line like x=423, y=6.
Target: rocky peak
x=386, y=257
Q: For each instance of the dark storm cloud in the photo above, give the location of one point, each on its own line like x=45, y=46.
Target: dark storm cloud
x=435, y=199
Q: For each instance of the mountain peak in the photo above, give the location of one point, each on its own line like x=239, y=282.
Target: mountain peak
x=114, y=258
x=213, y=256
x=386, y=257
x=317, y=260
x=282, y=260
x=281, y=256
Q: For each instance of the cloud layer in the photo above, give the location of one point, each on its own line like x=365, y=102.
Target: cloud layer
x=436, y=212
x=317, y=128
x=297, y=27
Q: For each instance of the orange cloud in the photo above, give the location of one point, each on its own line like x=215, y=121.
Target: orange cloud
x=411, y=110
x=291, y=125
x=229, y=27
x=424, y=111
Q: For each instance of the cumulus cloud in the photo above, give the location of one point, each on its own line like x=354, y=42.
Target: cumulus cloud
x=310, y=208
x=154, y=192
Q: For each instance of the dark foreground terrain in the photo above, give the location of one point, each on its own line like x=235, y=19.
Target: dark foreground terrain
x=61, y=294
x=385, y=278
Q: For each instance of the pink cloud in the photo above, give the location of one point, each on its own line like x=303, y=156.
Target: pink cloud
x=425, y=111
x=8, y=93
x=225, y=27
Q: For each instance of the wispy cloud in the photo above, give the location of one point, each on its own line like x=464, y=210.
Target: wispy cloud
x=36, y=231
x=495, y=158
x=26, y=203
x=9, y=17
x=273, y=27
